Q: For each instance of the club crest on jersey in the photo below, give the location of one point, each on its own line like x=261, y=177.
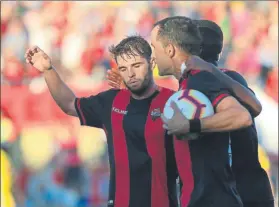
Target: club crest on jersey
x=119, y=111
x=155, y=114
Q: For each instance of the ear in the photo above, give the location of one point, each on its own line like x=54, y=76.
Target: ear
x=170, y=50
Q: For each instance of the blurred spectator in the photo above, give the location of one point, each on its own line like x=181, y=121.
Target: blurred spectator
x=77, y=34
x=15, y=38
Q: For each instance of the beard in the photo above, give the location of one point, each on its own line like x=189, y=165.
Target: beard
x=144, y=85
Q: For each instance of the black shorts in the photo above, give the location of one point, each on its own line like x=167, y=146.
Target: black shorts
x=258, y=204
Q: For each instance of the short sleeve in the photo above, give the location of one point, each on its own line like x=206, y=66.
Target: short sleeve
x=210, y=86
x=91, y=109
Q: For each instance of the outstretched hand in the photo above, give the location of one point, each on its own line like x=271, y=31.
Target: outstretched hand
x=115, y=80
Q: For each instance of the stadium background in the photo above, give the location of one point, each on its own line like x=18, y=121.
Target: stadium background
x=57, y=163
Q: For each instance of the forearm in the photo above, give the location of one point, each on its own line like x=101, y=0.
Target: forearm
x=228, y=120
x=61, y=93
x=247, y=97
x=244, y=94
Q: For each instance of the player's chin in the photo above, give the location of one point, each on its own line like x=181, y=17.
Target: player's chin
x=134, y=87
x=137, y=90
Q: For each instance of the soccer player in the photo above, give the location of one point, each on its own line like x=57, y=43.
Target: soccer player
x=252, y=180
x=211, y=183
x=142, y=165
x=239, y=143
x=174, y=41
x=244, y=142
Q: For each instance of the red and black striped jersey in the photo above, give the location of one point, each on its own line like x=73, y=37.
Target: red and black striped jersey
x=142, y=165
x=203, y=164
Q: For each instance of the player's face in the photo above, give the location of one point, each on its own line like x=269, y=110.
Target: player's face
x=160, y=55
x=136, y=73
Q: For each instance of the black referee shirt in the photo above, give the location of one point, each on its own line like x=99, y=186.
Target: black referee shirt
x=252, y=181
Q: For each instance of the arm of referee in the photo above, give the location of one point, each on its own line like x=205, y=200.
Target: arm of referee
x=239, y=87
x=230, y=114
x=245, y=95
x=233, y=80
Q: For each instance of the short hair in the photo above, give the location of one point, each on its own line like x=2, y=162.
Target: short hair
x=212, y=40
x=132, y=46
x=182, y=32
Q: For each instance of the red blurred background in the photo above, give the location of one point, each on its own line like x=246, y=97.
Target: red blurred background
x=47, y=147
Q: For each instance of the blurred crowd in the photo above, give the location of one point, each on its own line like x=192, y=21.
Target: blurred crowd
x=55, y=165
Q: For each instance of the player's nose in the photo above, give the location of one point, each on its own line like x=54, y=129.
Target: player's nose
x=131, y=73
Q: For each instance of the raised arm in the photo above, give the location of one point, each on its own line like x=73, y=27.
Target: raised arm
x=61, y=93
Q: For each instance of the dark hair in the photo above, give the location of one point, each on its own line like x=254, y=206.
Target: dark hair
x=212, y=40
x=182, y=32
x=132, y=46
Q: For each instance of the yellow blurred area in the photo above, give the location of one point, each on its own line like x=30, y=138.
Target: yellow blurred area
x=7, y=199
x=38, y=143
x=7, y=129
x=91, y=143
x=237, y=5
x=156, y=72
x=263, y=158
x=116, y=3
x=36, y=147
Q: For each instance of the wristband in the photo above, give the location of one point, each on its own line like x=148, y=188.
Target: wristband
x=195, y=125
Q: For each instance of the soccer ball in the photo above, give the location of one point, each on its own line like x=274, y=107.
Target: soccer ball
x=192, y=103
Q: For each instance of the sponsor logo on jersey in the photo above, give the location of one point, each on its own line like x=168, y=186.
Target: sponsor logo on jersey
x=119, y=111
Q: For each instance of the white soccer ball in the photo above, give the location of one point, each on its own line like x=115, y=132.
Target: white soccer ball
x=192, y=103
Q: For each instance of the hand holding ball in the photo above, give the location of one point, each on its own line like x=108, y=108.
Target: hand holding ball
x=191, y=103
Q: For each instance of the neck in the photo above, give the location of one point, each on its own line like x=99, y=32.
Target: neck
x=182, y=58
x=147, y=93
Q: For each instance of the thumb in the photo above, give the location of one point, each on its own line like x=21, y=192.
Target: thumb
x=175, y=107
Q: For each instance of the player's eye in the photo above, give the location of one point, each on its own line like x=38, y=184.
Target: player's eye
x=137, y=65
x=122, y=69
